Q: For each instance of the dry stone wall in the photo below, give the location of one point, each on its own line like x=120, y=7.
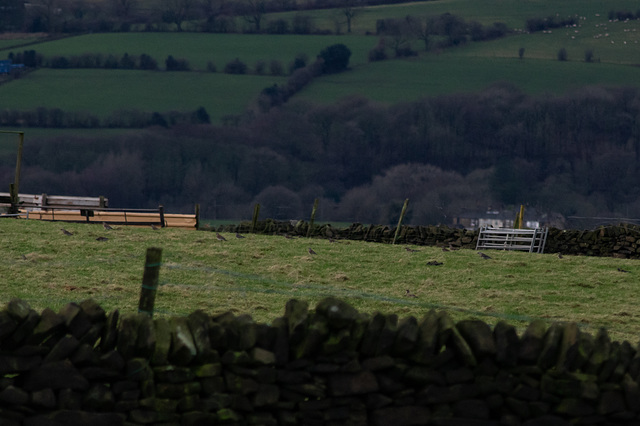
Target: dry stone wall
x=622, y=241
x=331, y=366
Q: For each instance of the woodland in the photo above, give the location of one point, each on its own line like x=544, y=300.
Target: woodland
x=576, y=153
x=572, y=154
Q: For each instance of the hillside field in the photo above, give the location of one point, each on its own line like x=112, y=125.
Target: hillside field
x=257, y=274
x=473, y=67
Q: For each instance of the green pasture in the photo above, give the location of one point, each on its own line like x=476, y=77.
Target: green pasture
x=473, y=67
x=513, y=13
x=256, y=275
x=101, y=91
x=407, y=80
x=201, y=48
x=615, y=43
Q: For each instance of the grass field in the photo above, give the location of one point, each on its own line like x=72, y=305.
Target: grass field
x=258, y=274
x=513, y=13
x=469, y=68
x=104, y=91
x=200, y=48
x=455, y=73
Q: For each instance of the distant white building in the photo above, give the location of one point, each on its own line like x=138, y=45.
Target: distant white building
x=495, y=219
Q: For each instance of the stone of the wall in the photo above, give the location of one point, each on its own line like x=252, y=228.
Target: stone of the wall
x=331, y=365
x=620, y=241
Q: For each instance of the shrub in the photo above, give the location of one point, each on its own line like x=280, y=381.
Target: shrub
x=405, y=52
x=377, y=54
x=299, y=62
x=147, y=62
x=302, y=24
x=127, y=63
x=588, y=55
x=235, y=67
x=562, y=54
x=336, y=58
x=276, y=68
x=111, y=62
x=59, y=62
x=172, y=64
x=260, y=67
x=279, y=26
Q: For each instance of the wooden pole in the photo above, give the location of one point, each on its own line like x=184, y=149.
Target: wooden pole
x=13, y=195
x=313, y=217
x=198, y=217
x=19, y=161
x=161, y=211
x=150, y=281
x=404, y=211
x=254, y=220
x=14, y=188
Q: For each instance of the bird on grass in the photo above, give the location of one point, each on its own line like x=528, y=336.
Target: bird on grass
x=445, y=249
x=106, y=226
x=155, y=228
x=310, y=250
x=434, y=263
x=622, y=270
x=560, y=256
x=220, y=237
x=409, y=294
x=239, y=236
x=102, y=239
x=484, y=256
x=410, y=250
x=65, y=232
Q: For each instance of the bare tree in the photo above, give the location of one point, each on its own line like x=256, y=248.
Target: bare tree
x=398, y=32
x=350, y=9
x=47, y=12
x=177, y=11
x=253, y=12
x=421, y=28
x=123, y=8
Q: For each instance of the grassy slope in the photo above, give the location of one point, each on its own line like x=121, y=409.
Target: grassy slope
x=104, y=91
x=200, y=48
x=472, y=67
x=258, y=274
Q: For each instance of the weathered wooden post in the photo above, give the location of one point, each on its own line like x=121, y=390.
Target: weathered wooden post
x=161, y=211
x=404, y=211
x=313, y=217
x=519, y=222
x=254, y=220
x=14, y=188
x=150, y=281
x=197, y=217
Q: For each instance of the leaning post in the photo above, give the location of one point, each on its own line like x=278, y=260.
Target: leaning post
x=404, y=211
x=150, y=281
x=254, y=220
x=313, y=217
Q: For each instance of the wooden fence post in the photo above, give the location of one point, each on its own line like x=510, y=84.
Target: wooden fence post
x=150, y=281
x=161, y=211
x=404, y=211
x=197, y=217
x=254, y=220
x=313, y=217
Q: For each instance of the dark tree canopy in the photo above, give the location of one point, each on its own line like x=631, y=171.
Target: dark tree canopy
x=336, y=58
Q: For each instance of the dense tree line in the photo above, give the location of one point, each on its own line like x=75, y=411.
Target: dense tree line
x=125, y=119
x=573, y=154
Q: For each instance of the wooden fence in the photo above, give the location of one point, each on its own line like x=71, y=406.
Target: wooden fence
x=94, y=209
